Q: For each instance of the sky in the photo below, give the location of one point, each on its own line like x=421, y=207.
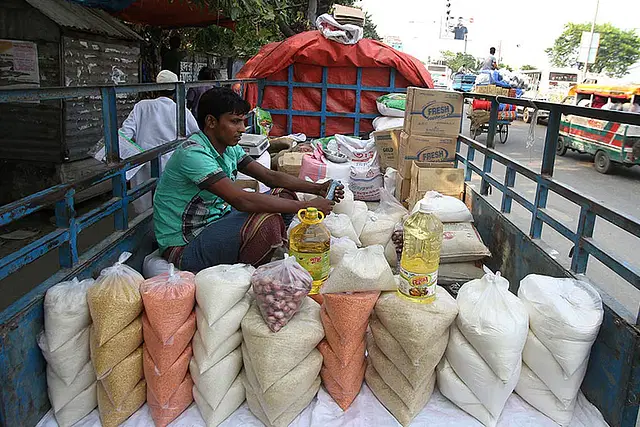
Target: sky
x=521, y=30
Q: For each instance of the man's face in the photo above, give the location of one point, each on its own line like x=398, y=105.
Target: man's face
x=228, y=129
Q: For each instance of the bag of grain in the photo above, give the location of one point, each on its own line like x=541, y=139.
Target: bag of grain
x=359, y=216
x=223, y=298
x=405, y=346
x=164, y=414
x=339, y=247
x=361, y=270
x=114, y=300
x=446, y=208
x=116, y=334
x=282, y=369
x=339, y=225
x=380, y=223
x=346, y=205
x=345, y=318
x=485, y=346
x=66, y=311
x=564, y=319
x=462, y=243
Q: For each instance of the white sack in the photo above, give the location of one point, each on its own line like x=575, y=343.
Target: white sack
x=231, y=401
x=206, y=360
x=384, y=123
x=66, y=311
x=565, y=315
x=537, y=394
x=339, y=247
x=154, y=265
x=215, y=382
x=346, y=205
x=339, y=225
x=60, y=393
x=454, y=389
x=220, y=288
x=490, y=390
x=215, y=336
x=79, y=407
x=359, y=216
x=361, y=270
x=447, y=208
x=341, y=33
x=380, y=224
x=390, y=179
x=495, y=322
x=68, y=359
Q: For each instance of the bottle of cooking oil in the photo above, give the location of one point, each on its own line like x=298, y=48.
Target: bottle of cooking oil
x=421, y=255
x=309, y=242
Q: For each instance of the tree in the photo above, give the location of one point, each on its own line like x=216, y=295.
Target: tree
x=619, y=49
x=527, y=67
x=455, y=61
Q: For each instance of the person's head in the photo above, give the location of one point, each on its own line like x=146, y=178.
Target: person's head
x=206, y=73
x=175, y=41
x=460, y=21
x=166, y=76
x=492, y=51
x=221, y=114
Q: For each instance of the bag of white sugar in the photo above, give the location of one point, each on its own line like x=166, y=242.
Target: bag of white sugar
x=361, y=270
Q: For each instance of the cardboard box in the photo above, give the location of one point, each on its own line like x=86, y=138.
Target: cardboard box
x=387, y=146
x=290, y=163
x=403, y=189
x=424, y=149
x=433, y=112
x=441, y=177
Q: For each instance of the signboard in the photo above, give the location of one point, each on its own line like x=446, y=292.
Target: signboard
x=19, y=64
x=584, y=47
x=455, y=28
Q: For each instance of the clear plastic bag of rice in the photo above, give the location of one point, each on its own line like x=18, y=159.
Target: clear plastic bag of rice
x=114, y=300
x=66, y=311
x=364, y=269
x=339, y=247
x=280, y=287
x=380, y=223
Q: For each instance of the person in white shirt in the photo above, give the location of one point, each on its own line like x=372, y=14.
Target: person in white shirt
x=151, y=123
x=490, y=62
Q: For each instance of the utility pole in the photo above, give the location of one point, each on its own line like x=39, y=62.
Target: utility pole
x=593, y=30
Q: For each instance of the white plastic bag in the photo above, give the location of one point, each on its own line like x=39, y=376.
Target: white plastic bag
x=359, y=216
x=384, y=123
x=61, y=393
x=346, y=205
x=565, y=315
x=66, y=311
x=537, y=394
x=380, y=224
x=154, y=265
x=214, y=383
x=495, y=322
x=454, y=389
x=390, y=179
x=447, y=208
x=230, y=402
x=339, y=225
x=206, y=360
x=221, y=287
x=339, y=247
x=341, y=33
x=215, y=336
x=478, y=375
x=70, y=358
x=361, y=270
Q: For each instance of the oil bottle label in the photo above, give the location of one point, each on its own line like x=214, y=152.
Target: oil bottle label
x=317, y=264
x=418, y=286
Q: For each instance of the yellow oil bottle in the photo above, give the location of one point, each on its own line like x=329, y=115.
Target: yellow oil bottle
x=420, y=255
x=310, y=243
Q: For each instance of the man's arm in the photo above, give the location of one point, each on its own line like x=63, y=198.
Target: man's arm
x=245, y=201
x=275, y=179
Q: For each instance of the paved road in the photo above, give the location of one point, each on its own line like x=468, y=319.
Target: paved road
x=620, y=191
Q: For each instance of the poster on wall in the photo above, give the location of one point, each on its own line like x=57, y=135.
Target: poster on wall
x=19, y=64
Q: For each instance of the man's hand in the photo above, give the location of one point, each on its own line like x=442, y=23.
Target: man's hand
x=322, y=204
x=324, y=191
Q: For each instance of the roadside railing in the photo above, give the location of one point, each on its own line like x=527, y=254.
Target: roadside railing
x=584, y=244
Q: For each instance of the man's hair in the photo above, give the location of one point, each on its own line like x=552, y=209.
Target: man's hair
x=492, y=50
x=206, y=73
x=175, y=41
x=218, y=101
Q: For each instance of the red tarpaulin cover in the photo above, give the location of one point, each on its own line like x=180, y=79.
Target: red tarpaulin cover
x=309, y=52
x=172, y=14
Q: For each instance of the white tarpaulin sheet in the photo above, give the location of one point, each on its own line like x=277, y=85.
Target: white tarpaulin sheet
x=366, y=411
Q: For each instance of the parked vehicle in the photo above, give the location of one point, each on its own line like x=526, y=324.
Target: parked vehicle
x=441, y=76
x=550, y=85
x=612, y=379
x=610, y=143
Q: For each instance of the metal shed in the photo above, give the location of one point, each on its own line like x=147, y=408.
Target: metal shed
x=76, y=46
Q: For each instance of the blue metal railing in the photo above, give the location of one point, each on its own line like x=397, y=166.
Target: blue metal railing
x=324, y=87
x=65, y=237
x=584, y=244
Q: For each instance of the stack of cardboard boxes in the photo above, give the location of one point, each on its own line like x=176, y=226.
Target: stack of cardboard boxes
x=431, y=126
